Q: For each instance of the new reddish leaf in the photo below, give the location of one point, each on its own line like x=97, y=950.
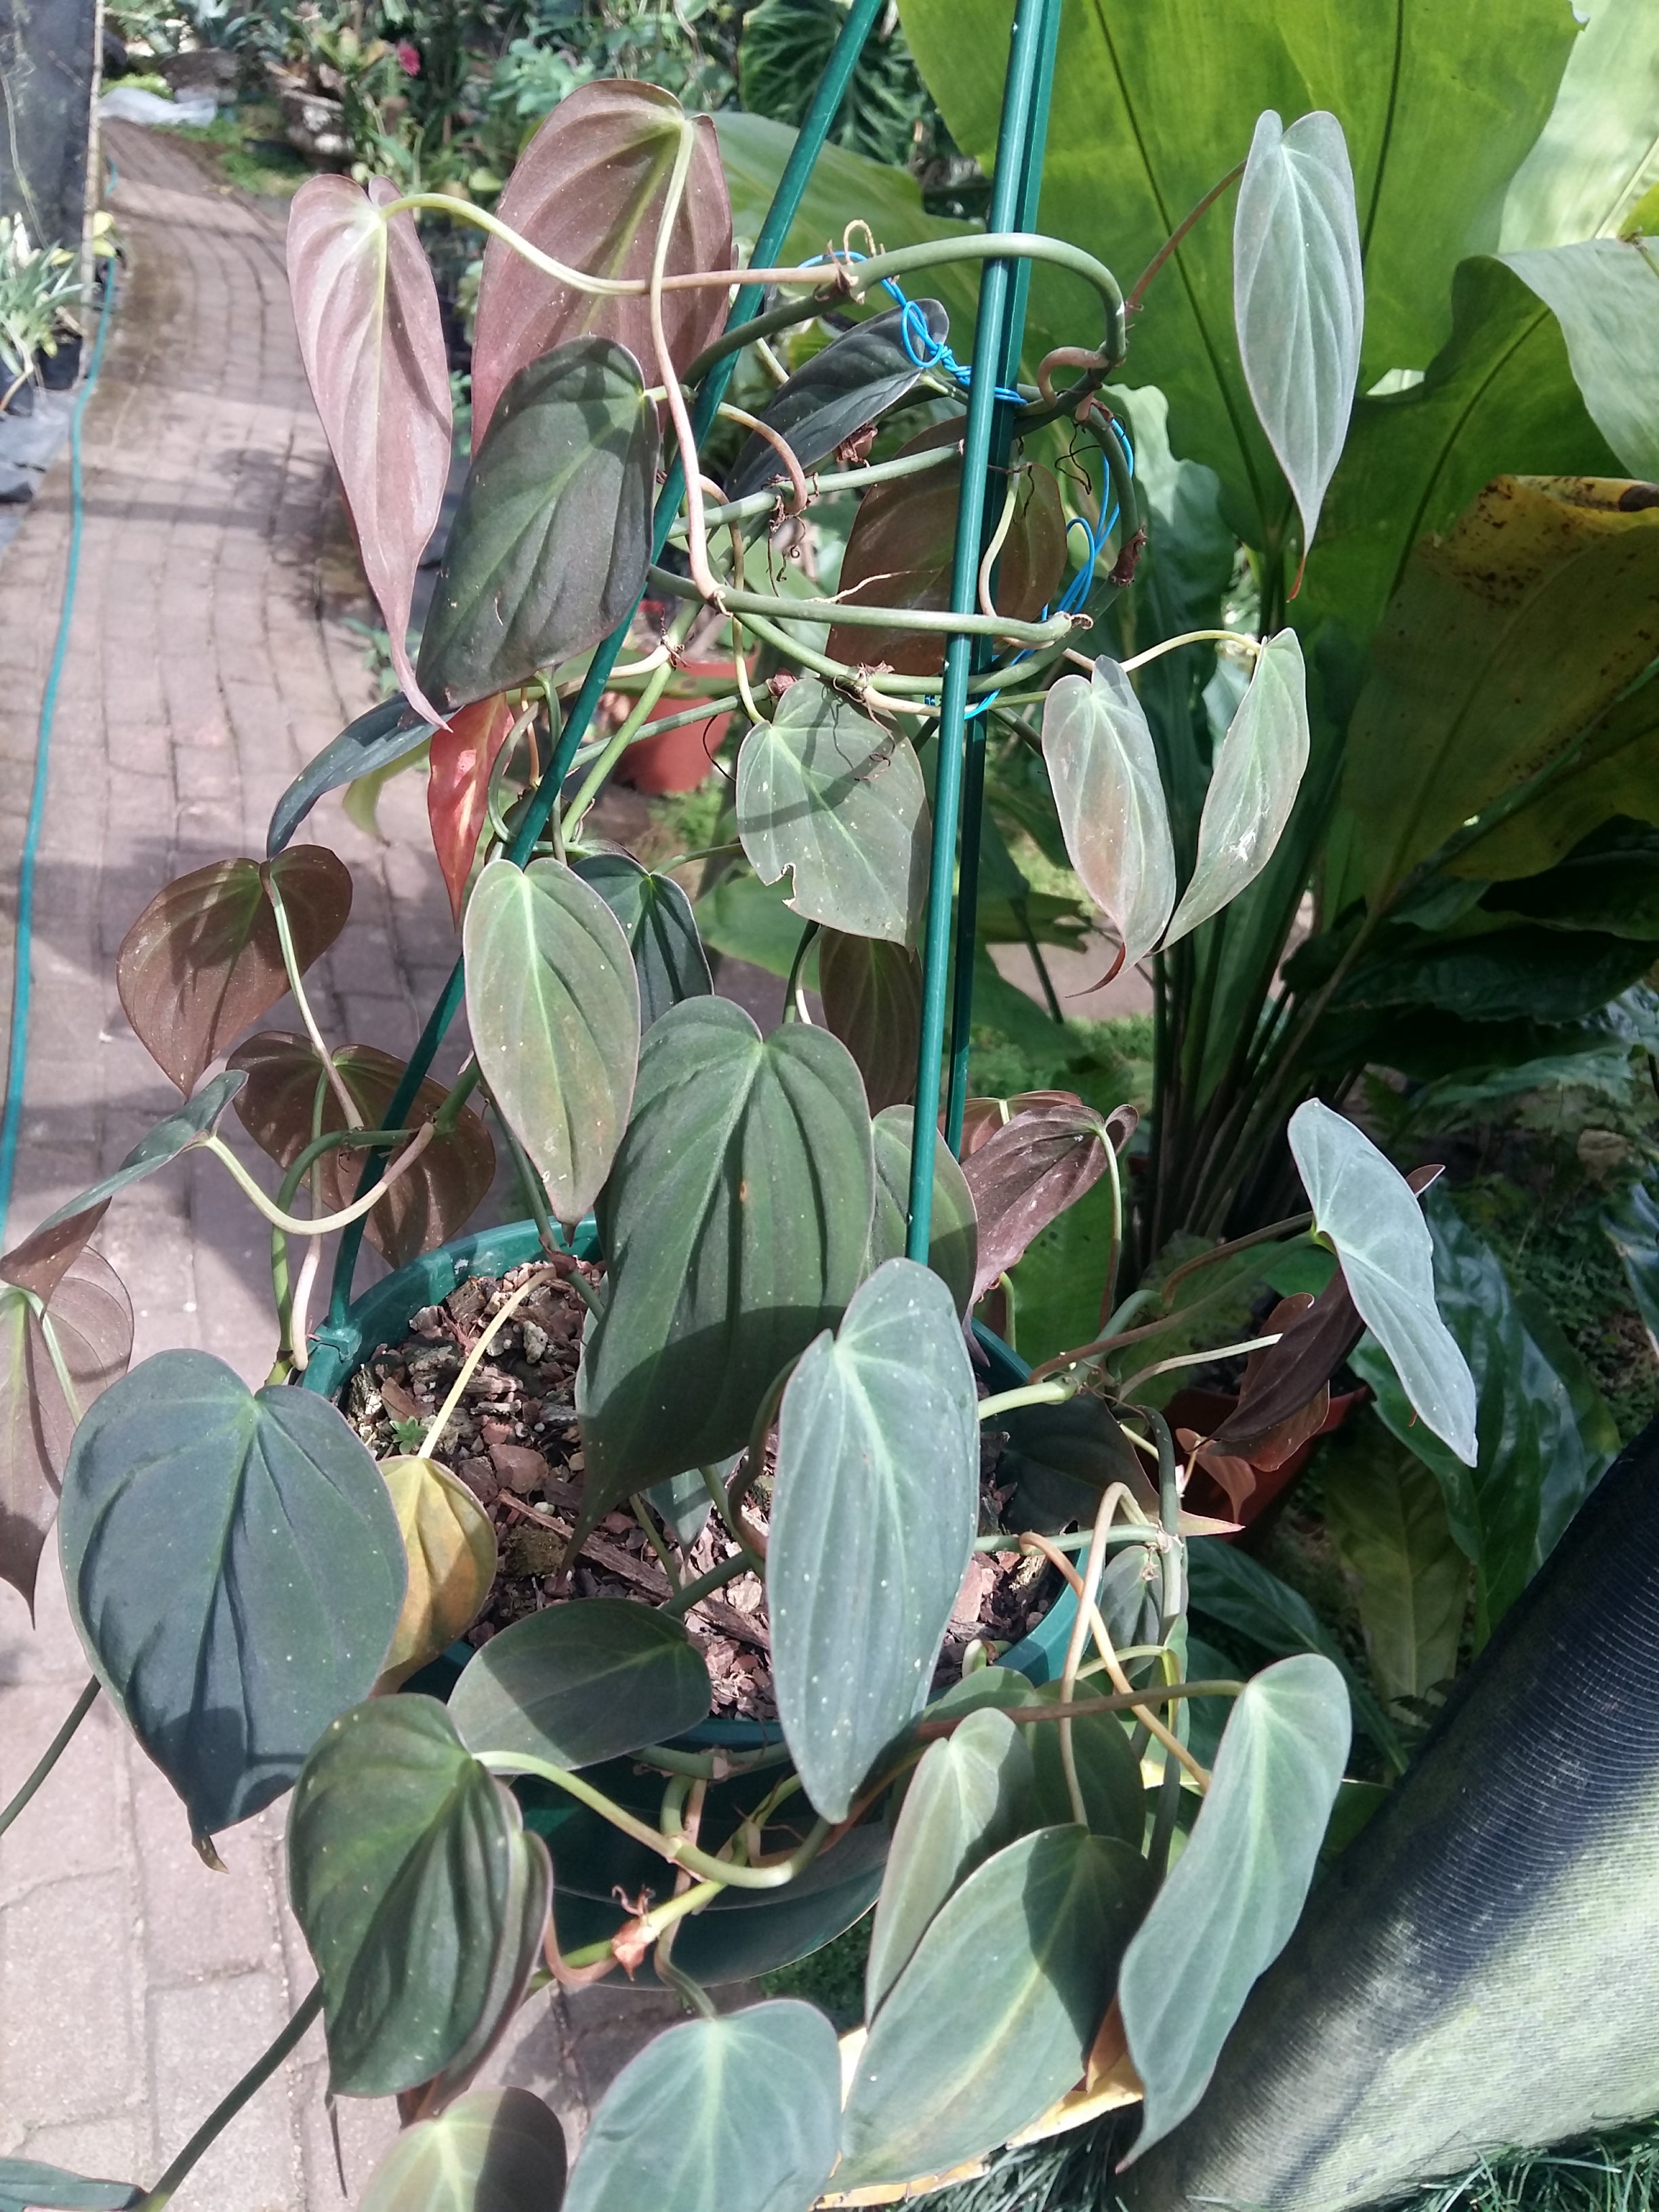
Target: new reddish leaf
x=1293, y=1376
x=872, y=995
x=1025, y=1175
x=461, y=762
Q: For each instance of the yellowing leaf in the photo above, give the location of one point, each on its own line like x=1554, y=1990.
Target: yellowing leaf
x=451, y=1544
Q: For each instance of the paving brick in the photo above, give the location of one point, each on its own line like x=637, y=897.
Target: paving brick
x=79, y=1820
x=202, y=2039
x=68, y=1956
x=200, y=1924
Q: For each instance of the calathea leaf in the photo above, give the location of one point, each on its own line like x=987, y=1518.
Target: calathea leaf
x=461, y=761
x=449, y=1548
x=872, y=995
x=26, y=2186
x=376, y=741
x=497, y=2150
x=1103, y=767
x=204, y=961
x=734, y=1224
x=1228, y=1905
x=578, y=1683
x=825, y=792
x=786, y=44
x=550, y=545
x=554, y=1006
x=173, y=1134
x=235, y=1571
x=413, y=1879
x=953, y=1239
x=874, y=1507
x=372, y=339
x=657, y=920
x=1299, y=297
x=1026, y=1174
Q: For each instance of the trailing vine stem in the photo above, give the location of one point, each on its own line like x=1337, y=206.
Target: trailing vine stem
x=354, y=1119
x=229, y=2105
x=53, y=1752
x=319, y=1224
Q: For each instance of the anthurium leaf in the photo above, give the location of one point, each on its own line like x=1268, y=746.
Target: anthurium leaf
x=1103, y=768
x=372, y=339
x=590, y=190
x=1597, y=154
x=27, y=2186
x=1025, y=1175
x=204, y=961
x=554, y=1006
x=855, y=379
x=1228, y=1904
x=1388, y=1521
x=288, y=1095
x=874, y=1507
x=578, y=1683
x=235, y=1570
x=872, y=995
x=953, y=1238
x=449, y=1546
x=1258, y=771
x=176, y=1133
x=1299, y=296
x=657, y=920
x=1367, y=1210
x=822, y=790
x=461, y=760
x=737, y=2114
x=1022, y=1958
x=497, y=2150
x=377, y=740
x=964, y=1801
x=549, y=548
x=408, y=1870
x=734, y=1223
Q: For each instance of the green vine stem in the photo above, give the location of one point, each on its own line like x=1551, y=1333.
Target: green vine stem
x=1252, y=645
x=330, y=1140
x=320, y=1225
x=53, y=1752
x=354, y=1120
x=1195, y=1359
x=834, y=613
x=1054, y=1392
x=228, y=2107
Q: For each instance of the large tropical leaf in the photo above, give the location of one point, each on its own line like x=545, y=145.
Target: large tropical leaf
x=1103, y=767
x=1599, y=153
x=497, y=2150
x=1605, y=295
x=657, y=919
x=1388, y=1521
x=575, y=1683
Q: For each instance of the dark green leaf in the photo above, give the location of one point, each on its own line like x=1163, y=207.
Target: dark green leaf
x=413, y=1879
x=683, y=1500
x=548, y=549
x=198, y=1117
x=743, y=919
x=1610, y=883
x=738, y=2114
x=498, y=2150
x=1543, y=975
x=1228, y=1905
x=735, y=1224
x=1061, y=1458
x=1388, y=1520
x=1109, y=1773
x=1633, y=1231
x=873, y=1513
x=786, y=45
x=657, y=921
x=386, y=734
x=747, y=1932
x=993, y=2015
x=27, y=2186
x=577, y=1683
x=1103, y=767
x=953, y=1238
x=1026, y=1175
x=235, y=1569
x=872, y=995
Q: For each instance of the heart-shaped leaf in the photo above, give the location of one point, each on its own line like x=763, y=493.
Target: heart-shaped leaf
x=1258, y=770
x=874, y=1508
x=734, y=1224
x=235, y=1570
x=872, y=995
x=854, y=380
x=738, y=2114
x=1295, y=1371
x=590, y=191
x=953, y=1236
x=1103, y=767
x=460, y=766
x=288, y=1095
x=372, y=339
x=204, y=960
x=822, y=790
x=578, y=1683
x=1227, y=1907
x=1061, y=1458
x=449, y=1546
x=1021, y=1960
x=550, y=545
x=1025, y=1175
x=40, y=1263
x=657, y=920
x=27, y=2186
x=376, y=741
x=497, y=2150
x=173, y=1135
x=1370, y=1212
x=964, y=1803
x=413, y=1879
x=1299, y=297
x=554, y=1004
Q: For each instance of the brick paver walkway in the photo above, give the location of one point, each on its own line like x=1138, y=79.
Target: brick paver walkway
x=135, y=1986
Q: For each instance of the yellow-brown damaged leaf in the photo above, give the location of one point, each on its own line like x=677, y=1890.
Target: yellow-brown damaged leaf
x=451, y=1544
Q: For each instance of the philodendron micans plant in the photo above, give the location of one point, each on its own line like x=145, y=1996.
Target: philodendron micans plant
x=1073, y=1903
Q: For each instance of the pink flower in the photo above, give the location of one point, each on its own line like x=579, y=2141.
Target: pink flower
x=408, y=58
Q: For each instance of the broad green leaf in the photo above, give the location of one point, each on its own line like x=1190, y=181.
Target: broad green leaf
x=1059, y=1460
x=1299, y=297
x=736, y=2114
x=554, y=1004
x=1605, y=294
x=1519, y=974
x=460, y=762
x=993, y=2015
x=875, y=1504
x=823, y=791
x=173, y=1134
x=449, y=1547
x=735, y=1224
x=1610, y=883
x=785, y=48
x=26, y=2186
x=1228, y=1905
x=1258, y=772
x=590, y=190
x=683, y=1500
x=1614, y=772
x=204, y=961
x=964, y=1803
x=657, y=920
x=1388, y=1520
x=413, y=1879
x=1366, y=1208
x=550, y=545
x=1599, y=152
x=497, y=2150
x=387, y=734
x=578, y=1683
x=1103, y=768
x=235, y=1570
x=1108, y=1774
x=372, y=339
x=872, y=995
x=1026, y=1174
x=953, y=1236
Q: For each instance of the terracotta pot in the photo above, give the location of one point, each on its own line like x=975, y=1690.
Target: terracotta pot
x=679, y=759
x=1206, y=1410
